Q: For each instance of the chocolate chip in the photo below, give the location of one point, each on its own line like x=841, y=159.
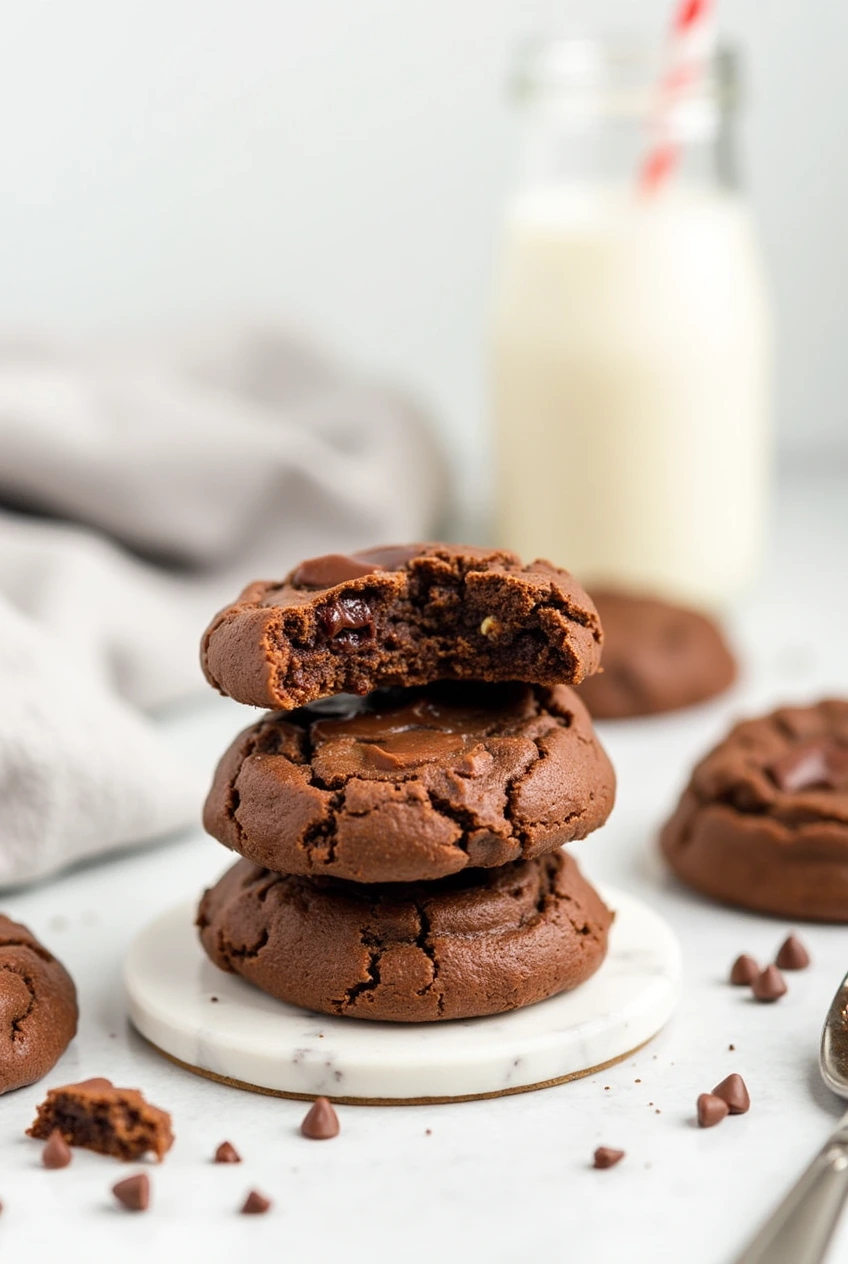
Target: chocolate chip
x=321, y=1122
x=227, y=1153
x=743, y=971
x=391, y=557
x=331, y=569
x=711, y=1110
x=605, y=1157
x=134, y=1192
x=792, y=955
x=56, y=1152
x=818, y=763
x=769, y=985
x=733, y=1091
x=255, y=1204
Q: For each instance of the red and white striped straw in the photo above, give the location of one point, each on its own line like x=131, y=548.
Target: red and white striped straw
x=690, y=45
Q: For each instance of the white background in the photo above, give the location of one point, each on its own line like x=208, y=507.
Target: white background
x=345, y=164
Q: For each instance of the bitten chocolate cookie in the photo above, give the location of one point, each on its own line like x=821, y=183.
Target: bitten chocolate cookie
x=400, y=616
x=480, y=942
x=763, y=823
x=38, y=1007
x=109, y=1120
x=409, y=785
x=657, y=657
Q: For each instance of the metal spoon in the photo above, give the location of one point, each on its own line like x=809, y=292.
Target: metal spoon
x=800, y=1230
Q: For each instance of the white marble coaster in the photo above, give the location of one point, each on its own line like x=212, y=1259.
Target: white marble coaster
x=261, y=1043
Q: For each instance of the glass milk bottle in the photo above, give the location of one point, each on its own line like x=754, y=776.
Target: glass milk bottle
x=631, y=333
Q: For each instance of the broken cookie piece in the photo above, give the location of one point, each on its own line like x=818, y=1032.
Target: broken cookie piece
x=400, y=616
x=98, y=1116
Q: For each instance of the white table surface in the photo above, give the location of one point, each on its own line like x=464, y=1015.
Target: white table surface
x=500, y=1180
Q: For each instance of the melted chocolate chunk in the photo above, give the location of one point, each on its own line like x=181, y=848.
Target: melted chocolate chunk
x=331, y=569
x=819, y=763
x=348, y=614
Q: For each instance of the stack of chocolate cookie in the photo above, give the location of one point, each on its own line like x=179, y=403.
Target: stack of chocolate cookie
x=401, y=812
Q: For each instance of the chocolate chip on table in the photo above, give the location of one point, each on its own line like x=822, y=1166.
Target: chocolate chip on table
x=733, y=1090
x=711, y=1110
x=605, y=1157
x=227, y=1153
x=255, y=1204
x=792, y=954
x=320, y=1122
x=57, y=1152
x=743, y=971
x=134, y=1192
x=769, y=985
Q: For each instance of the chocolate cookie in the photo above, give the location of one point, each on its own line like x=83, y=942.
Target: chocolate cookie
x=480, y=942
x=409, y=785
x=763, y=823
x=399, y=616
x=657, y=657
x=38, y=1007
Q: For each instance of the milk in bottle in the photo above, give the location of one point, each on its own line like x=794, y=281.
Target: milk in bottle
x=631, y=341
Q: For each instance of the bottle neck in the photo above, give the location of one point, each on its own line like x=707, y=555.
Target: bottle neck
x=560, y=149
x=600, y=113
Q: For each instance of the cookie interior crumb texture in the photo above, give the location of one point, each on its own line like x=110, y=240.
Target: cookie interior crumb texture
x=98, y=1116
x=401, y=616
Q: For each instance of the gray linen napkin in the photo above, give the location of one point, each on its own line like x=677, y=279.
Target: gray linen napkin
x=142, y=488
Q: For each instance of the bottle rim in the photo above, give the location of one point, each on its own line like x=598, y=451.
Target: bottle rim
x=616, y=75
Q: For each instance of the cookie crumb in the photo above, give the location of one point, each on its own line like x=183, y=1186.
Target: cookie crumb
x=731, y=1048
x=213, y=999
x=109, y=1120
x=637, y=1081
x=428, y=1132
x=605, y=1157
x=134, y=1192
x=227, y=1153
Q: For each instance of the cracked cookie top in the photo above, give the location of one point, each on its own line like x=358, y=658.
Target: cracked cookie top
x=38, y=1007
x=401, y=615
x=411, y=785
x=478, y=942
x=763, y=823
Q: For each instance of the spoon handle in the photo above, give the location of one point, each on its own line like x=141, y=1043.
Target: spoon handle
x=800, y=1229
